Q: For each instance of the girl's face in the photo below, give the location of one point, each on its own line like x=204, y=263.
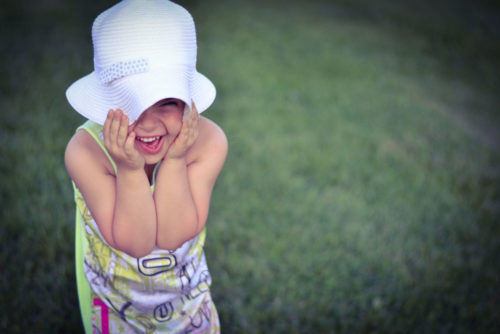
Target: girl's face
x=157, y=128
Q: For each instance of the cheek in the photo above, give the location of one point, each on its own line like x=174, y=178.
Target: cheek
x=175, y=129
x=174, y=122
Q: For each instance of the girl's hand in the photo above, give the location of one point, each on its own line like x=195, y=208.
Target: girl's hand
x=121, y=144
x=186, y=137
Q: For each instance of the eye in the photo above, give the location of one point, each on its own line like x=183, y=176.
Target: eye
x=169, y=103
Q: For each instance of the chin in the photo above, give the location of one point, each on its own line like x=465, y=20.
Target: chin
x=153, y=160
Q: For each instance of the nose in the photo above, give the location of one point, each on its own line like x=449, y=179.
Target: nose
x=146, y=121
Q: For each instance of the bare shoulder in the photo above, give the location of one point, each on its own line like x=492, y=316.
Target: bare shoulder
x=83, y=154
x=212, y=142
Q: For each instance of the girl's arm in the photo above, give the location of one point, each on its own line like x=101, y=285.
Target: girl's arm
x=182, y=193
x=134, y=221
x=121, y=204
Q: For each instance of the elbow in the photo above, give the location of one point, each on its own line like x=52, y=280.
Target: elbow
x=173, y=240
x=138, y=253
x=132, y=246
x=170, y=245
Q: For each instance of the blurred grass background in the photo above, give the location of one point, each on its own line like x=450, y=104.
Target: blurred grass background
x=361, y=191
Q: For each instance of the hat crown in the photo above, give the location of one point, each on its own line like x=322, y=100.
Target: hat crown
x=159, y=32
x=144, y=51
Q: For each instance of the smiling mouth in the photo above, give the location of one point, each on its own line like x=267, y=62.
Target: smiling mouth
x=150, y=145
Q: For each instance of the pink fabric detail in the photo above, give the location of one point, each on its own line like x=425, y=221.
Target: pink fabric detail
x=104, y=315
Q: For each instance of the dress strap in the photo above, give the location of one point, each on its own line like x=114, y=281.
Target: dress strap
x=95, y=130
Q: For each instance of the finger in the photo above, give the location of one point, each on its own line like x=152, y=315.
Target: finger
x=191, y=122
x=195, y=116
x=188, y=136
x=107, y=126
x=194, y=111
x=193, y=107
x=122, y=131
x=130, y=144
x=115, y=126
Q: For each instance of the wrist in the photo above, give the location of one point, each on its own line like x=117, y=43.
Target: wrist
x=129, y=166
x=173, y=165
x=129, y=172
x=175, y=160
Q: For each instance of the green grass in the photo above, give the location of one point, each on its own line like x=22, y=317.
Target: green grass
x=361, y=191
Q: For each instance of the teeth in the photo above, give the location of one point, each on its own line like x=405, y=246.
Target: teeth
x=149, y=139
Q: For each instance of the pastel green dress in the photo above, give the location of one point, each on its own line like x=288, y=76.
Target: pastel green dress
x=163, y=292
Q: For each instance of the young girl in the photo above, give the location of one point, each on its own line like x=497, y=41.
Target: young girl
x=143, y=168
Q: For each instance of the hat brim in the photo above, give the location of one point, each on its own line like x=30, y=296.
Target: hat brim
x=135, y=93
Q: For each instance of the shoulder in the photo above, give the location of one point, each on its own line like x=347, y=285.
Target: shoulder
x=208, y=155
x=212, y=131
x=212, y=142
x=84, y=154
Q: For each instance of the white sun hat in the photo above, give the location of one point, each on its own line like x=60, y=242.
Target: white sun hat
x=144, y=51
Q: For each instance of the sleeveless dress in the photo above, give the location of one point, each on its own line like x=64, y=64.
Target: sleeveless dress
x=163, y=292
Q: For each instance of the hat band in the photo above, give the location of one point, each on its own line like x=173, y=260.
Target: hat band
x=122, y=69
